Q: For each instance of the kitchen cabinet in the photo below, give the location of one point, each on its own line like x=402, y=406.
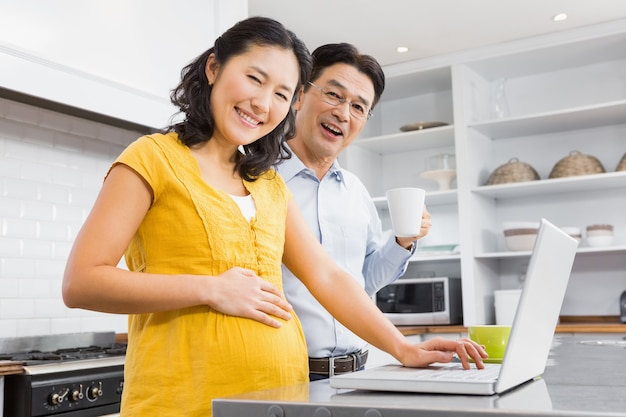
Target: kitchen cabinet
x=536, y=100
x=86, y=65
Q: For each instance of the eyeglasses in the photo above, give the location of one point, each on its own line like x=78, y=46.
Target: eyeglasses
x=334, y=97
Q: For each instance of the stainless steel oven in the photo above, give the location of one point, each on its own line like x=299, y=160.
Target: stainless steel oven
x=72, y=375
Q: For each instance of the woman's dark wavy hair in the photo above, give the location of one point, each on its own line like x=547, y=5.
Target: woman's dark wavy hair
x=192, y=95
x=345, y=53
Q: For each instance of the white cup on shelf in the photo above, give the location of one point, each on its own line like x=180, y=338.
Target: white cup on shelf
x=505, y=302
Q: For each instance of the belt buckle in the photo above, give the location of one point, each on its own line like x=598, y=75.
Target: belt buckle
x=331, y=366
x=355, y=360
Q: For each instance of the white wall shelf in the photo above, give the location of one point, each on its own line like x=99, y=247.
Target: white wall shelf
x=619, y=249
x=455, y=257
x=551, y=186
x=557, y=121
x=409, y=141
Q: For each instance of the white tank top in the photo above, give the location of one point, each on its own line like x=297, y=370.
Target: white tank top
x=246, y=205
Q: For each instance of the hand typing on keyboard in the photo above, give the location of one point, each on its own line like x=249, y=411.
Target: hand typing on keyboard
x=443, y=350
x=455, y=372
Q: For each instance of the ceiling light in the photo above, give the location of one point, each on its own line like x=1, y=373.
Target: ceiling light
x=560, y=17
x=402, y=49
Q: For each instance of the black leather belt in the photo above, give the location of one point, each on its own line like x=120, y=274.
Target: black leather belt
x=338, y=364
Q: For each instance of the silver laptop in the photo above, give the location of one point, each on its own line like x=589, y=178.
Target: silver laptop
x=529, y=342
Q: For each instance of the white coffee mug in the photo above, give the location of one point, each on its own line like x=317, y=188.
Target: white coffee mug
x=505, y=302
x=405, y=210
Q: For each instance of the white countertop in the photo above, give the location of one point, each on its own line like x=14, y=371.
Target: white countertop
x=569, y=387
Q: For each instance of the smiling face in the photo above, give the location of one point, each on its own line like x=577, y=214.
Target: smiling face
x=252, y=93
x=324, y=130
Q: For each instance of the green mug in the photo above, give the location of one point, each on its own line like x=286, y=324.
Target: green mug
x=493, y=337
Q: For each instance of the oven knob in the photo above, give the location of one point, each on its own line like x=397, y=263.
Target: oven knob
x=94, y=392
x=77, y=394
x=53, y=399
x=56, y=398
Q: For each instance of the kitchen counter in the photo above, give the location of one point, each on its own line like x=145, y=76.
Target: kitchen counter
x=10, y=367
x=585, y=376
x=567, y=324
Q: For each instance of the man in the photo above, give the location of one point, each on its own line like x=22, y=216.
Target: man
x=331, y=112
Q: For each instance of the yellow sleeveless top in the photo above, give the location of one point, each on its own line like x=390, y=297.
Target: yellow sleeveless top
x=178, y=361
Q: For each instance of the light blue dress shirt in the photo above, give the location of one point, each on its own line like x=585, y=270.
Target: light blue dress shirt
x=340, y=212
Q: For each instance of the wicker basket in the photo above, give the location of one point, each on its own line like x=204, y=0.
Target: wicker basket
x=513, y=171
x=622, y=164
x=576, y=164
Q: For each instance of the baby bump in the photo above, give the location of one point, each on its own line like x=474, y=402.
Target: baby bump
x=203, y=354
x=250, y=355
x=262, y=345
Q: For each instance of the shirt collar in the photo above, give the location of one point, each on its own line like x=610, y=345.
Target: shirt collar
x=289, y=168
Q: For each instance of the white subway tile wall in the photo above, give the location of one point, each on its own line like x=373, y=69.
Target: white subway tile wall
x=51, y=169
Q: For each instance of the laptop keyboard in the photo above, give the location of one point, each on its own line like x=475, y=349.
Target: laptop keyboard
x=456, y=372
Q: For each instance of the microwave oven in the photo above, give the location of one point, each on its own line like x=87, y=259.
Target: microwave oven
x=422, y=301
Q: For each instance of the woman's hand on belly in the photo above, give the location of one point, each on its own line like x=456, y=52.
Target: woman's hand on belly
x=240, y=292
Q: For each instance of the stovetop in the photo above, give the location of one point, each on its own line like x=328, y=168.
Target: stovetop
x=37, y=357
x=40, y=350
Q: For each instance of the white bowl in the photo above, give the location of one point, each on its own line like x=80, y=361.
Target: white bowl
x=520, y=236
x=595, y=241
x=521, y=242
x=600, y=230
